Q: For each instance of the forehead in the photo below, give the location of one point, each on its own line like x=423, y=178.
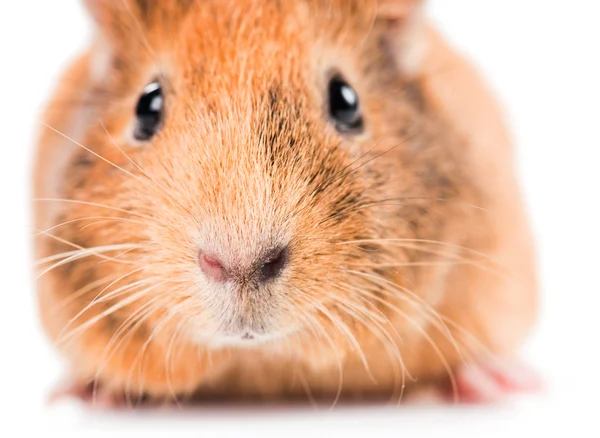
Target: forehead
x=265, y=37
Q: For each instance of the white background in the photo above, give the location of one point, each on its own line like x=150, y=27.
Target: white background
x=541, y=57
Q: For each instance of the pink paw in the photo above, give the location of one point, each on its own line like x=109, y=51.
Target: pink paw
x=482, y=383
x=90, y=394
x=492, y=381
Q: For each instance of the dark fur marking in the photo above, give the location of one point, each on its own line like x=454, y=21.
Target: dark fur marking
x=84, y=160
x=145, y=7
x=368, y=247
x=118, y=62
x=414, y=92
x=285, y=128
x=274, y=131
x=112, y=323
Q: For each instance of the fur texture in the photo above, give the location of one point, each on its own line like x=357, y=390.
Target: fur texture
x=409, y=252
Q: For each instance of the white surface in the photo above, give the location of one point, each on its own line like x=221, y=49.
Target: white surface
x=541, y=56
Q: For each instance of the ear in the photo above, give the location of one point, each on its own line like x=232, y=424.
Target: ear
x=115, y=20
x=106, y=13
x=397, y=9
x=404, y=32
x=119, y=18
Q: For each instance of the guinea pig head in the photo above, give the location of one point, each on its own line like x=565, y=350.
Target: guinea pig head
x=250, y=169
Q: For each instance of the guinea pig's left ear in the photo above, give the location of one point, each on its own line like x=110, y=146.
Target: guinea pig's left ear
x=108, y=13
x=403, y=23
x=116, y=15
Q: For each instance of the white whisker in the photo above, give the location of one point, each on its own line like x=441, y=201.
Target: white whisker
x=93, y=204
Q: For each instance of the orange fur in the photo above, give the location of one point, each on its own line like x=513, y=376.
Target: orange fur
x=410, y=250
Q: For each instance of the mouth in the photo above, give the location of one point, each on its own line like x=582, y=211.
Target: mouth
x=248, y=336
x=245, y=339
x=238, y=333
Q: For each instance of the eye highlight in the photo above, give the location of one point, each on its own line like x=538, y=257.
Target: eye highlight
x=344, y=106
x=149, y=112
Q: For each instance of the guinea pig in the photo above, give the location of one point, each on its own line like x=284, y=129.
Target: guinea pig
x=276, y=200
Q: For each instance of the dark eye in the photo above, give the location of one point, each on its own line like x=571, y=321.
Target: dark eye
x=149, y=112
x=344, y=106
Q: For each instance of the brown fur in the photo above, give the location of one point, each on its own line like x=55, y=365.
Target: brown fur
x=247, y=160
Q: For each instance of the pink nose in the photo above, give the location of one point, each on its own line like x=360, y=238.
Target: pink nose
x=212, y=268
x=265, y=268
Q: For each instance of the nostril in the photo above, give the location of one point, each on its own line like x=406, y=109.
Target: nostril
x=275, y=262
x=265, y=269
x=212, y=267
x=213, y=263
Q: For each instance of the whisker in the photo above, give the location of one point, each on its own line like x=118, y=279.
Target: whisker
x=81, y=292
x=112, y=259
x=79, y=247
x=100, y=299
x=343, y=328
x=135, y=320
x=161, y=323
x=91, y=322
x=412, y=298
x=305, y=323
x=422, y=241
x=306, y=388
x=425, y=335
x=387, y=341
x=397, y=145
x=379, y=332
x=83, y=219
x=93, y=204
x=497, y=268
x=67, y=254
x=429, y=340
x=169, y=363
x=80, y=255
x=85, y=227
x=474, y=340
x=91, y=152
x=401, y=202
x=342, y=173
x=329, y=340
x=408, y=264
